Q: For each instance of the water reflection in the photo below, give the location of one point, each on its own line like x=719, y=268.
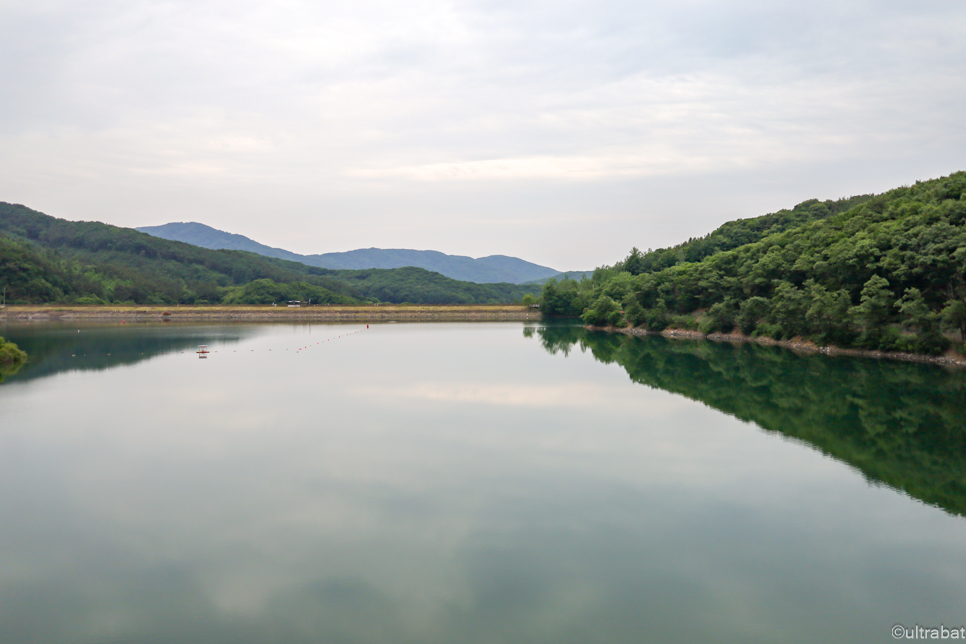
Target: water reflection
x=56, y=347
x=434, y=483
x=899, y=423
x=7, y=370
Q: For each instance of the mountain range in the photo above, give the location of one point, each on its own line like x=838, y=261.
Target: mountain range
x=44, y=259
x=484, y=270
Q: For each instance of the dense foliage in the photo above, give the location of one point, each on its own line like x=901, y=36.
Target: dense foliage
x=44, y=259
x=266, y=291
x=886, y=273
x=734, y=234
x=419, y=286
x=898, y=423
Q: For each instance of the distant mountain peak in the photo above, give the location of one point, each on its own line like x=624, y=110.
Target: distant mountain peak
x=485, y=270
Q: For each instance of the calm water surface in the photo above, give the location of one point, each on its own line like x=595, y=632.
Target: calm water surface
x=471, y=483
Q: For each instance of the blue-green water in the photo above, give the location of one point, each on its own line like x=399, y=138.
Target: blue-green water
x=471, y=483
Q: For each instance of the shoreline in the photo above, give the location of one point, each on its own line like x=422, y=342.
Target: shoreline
x=269, y=313
x=795, y=345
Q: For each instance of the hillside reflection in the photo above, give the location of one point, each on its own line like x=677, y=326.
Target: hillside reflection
x=54, y=348
x=901, y=424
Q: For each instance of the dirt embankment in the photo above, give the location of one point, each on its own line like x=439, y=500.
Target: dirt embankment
x=796, y=344
x=268, y=313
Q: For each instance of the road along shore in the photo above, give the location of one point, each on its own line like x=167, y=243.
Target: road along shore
x=269, y=313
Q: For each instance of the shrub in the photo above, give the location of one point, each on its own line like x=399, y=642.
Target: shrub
x=685, y=322
x=11, y=358
x=768, y=330
x=90, y=300
x=634, y=313
x=751, y=312
x=720, y=318
x=605, y=311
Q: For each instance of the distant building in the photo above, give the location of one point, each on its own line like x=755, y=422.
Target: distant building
x=294, y=304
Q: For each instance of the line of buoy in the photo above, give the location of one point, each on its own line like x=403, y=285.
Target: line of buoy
x=309, y=346
x=329, y=339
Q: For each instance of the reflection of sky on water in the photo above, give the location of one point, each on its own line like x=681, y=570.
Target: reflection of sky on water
x=435, y=483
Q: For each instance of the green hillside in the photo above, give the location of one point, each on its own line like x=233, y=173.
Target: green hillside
x=412, y=284
x=45, y=259
x=734, y=234
x=887, y=272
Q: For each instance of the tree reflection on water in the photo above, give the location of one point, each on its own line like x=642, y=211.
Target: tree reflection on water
x=900, y=424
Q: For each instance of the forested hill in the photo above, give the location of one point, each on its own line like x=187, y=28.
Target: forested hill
x=886, y=273
x=45, y=259
x=484, y=270
x=736, y=233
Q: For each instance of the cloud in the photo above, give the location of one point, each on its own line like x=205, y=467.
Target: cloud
x=442, y=114
x=584, y=395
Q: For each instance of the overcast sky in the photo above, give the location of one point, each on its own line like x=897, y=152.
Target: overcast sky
x=560, y=132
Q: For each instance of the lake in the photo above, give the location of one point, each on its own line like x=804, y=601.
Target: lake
x=471, y=482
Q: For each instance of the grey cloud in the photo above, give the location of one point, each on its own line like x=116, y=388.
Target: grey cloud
x=445, y=123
